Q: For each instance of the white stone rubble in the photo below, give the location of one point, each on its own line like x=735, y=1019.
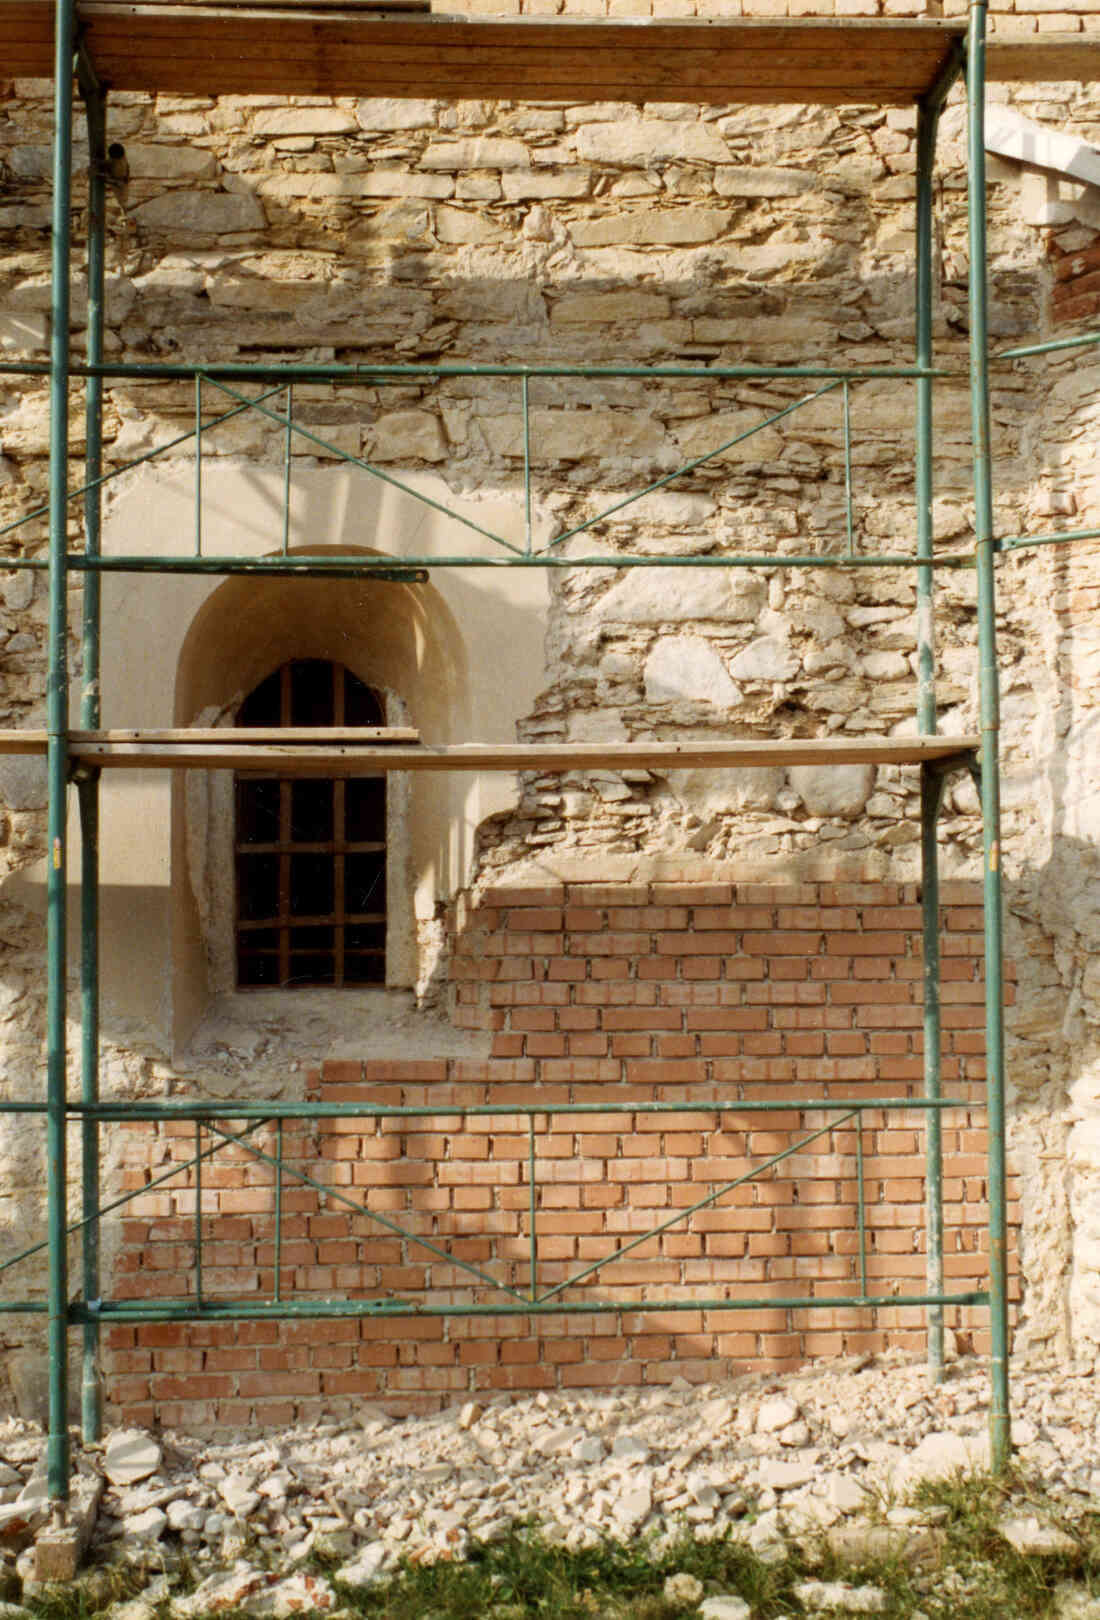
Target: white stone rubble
x=839, y=1595
x=725, y=1608
x=245, y=1509
x=131, y=1455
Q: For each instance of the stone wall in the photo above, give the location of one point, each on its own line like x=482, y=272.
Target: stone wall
x=365, y=229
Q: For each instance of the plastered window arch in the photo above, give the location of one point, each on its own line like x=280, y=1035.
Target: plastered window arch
x=459, y=658
x=395, y=641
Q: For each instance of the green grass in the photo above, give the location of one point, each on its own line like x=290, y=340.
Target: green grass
x=969, y=1572
x=522, y=1576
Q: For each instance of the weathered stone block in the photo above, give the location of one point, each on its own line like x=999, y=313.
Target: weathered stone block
x=574, y=435
x=405, y=183
x=310, y=185
x=477, y=152
x=642, y=140
x=386, y=113
x=23, y=331
x=406, y=436
x=668, y=227
x=169, y=161
x=520, y=187
x=465, y=225
x=23, y=782
x=606, y=309
x=686, y=668
x=668, y=595
x=200, y=213
x=727, y=791
x=35, y=162
x=768, y=658
x=833, y=790
x=709, y=433
x=303, y=121
x=753, y=182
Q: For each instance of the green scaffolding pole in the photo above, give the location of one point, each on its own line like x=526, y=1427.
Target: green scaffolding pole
x=57, y=762
x=928, y=114
x=91, y=1392
x=990, y=736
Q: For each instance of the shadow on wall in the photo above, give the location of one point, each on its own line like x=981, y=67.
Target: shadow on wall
x=596, y=435
x=1055, y=1058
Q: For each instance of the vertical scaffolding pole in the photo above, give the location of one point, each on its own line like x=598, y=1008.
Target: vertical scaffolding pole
x=990, y=727
x=91, y=1394
x=928, y=113
x=57, y=761
x=931, y=797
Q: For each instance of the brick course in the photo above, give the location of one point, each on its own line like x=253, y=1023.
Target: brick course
x=834, y=1012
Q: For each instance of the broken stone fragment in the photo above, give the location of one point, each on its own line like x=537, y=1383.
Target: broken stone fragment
x=786, y=1476
x=298, y=1594
x=864, y=1543
x=946, y=1453
x=185, y=1515
x=725, y=1608
x=1035, y=1537
x=239, y=1495
x=366, y=1567
x=775, y=1414
x=683, y=1588
x=147, y=1526
x=130, y=1455
x=19, y=1521
x=838, y=1595
x=632, y=1508
x=220, y=1591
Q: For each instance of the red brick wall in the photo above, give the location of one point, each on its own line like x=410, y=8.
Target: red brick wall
x=594, y=993
x=1076, y=293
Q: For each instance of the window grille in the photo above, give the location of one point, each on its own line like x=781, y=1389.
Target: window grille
x=310, y=853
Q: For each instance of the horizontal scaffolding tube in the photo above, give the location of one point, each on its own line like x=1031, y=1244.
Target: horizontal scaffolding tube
x=1085, y=341
x=223, y=1108
x=247, y=1311
x=414, y=570
x=1020, y=542
x=157, y=371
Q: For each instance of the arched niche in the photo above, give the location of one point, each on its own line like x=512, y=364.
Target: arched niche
x=403, y=641
x=460, y=657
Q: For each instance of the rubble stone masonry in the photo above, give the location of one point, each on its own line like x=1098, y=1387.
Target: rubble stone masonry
x=636, y=935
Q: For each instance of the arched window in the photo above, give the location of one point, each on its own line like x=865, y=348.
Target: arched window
x=310, y=852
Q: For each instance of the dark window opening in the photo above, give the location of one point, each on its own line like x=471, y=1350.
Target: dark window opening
x=310, y=853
